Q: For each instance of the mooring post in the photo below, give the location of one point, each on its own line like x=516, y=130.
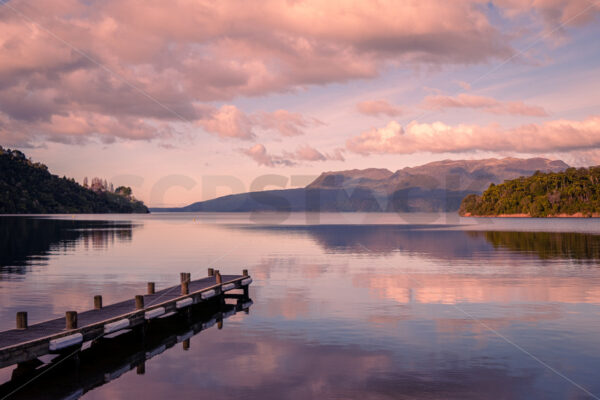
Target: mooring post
x=97, y=302
x=211, y=271
x=71, y=320
x=186, y=344
x=220, y=324
x=22, y=320
x=151, y=287
x=245, y=288
x=185, y=287
x=218, y=278
x=139, y=302
x=182, y=276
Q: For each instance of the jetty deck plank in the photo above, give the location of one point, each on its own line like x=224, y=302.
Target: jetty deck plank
x=97, y=318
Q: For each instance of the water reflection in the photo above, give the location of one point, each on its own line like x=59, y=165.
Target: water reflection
x=385, y=239
x=273, y=367
x=348, y=311
x=29, y=240
x=69, y=376
x=442, y=242
x=547, y=245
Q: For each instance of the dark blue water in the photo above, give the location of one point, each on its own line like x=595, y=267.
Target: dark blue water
x=365, y=306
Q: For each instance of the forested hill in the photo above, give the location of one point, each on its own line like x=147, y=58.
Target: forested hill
x=28, y=188
x=574, y=192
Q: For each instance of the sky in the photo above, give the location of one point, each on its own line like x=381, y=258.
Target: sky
x=187, y=100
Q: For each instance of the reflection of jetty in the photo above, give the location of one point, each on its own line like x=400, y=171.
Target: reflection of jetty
x=67, y=334
x=70, y=376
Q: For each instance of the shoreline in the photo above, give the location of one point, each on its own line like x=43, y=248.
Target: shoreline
x=576, y=215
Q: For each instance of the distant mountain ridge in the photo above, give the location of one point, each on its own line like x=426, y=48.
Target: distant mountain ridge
x=436, y=186
x=472, y=174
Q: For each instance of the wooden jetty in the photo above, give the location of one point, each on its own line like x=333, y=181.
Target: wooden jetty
x=28, y=342
x=66, y=377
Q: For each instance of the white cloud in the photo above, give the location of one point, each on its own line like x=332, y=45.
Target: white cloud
x=437, y=137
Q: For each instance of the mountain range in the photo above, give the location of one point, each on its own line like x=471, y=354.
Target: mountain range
x=436, y=186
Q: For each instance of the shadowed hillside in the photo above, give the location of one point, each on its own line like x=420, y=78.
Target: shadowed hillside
x=437, y=186
x=28, y=188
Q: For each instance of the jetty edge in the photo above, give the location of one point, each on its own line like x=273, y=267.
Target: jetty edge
x=27, y=342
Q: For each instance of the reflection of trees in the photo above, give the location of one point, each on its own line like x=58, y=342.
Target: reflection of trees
x=547, y=245
x=102, y=237
x=25, y=239
x=445, y=243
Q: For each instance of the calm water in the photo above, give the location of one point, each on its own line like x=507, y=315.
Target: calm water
x=364, y=306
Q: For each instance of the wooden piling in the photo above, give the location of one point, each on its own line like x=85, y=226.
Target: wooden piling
x=186, y=344
x=245, y=289
x=21, y=320
x=151, y=288
x=185, y=287
x=71, y=320
x=139, y=302
x=220, y=324
x=20, y=345
x=97, y=302
x=182, y=276
x=211, y=271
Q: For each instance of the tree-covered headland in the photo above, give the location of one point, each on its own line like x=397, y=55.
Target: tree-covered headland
x=27, y=187
x=574, y=192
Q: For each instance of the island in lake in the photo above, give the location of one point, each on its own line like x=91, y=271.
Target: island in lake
x=27, y=187
x=572, y=193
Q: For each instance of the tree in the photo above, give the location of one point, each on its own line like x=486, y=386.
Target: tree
x=543, y=194
x=124, y=191
x=28, y=187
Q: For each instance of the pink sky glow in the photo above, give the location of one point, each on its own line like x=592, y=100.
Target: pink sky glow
x=167, y=96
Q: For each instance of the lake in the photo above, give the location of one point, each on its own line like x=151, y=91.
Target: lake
x=361, y=306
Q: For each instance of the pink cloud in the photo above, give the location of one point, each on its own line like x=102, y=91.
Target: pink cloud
x=79, y=128
x=552, y=136
x=336, y=155
x=260, y=155
x=307, y=153
x=556, y=14
x=115, y=59
x=284, y=122
x=487, y=104
x=228, y=122
x=378, y=107
x=464, y=85
x=156, y=62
